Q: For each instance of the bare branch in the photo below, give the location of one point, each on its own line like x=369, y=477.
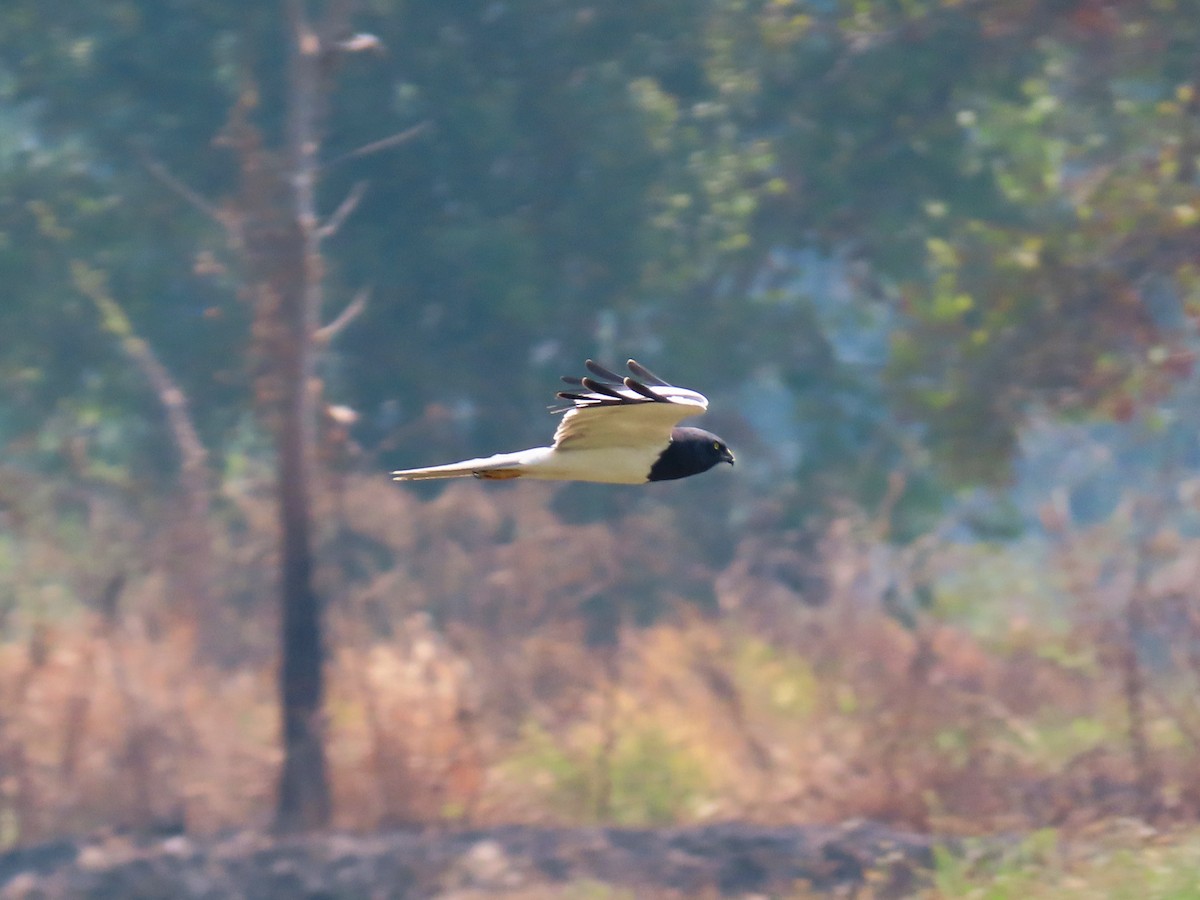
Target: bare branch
x=92, y=284
x=361, y=43
x=164, y=175
x=343, y=212
x=352, y=311
x=386, y=143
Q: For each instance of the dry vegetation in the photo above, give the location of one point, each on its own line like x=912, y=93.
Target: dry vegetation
x=491, y=662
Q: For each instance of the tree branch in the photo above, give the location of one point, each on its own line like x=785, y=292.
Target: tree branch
x=165, y=177
x=387, y=143
x=192, y=455
x=353, y=310
x=343, y=212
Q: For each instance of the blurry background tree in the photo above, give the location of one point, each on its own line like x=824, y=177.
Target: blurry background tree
x=946, y=209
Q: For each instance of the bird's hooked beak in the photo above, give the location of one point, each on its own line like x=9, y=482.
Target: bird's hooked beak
x=727, y=456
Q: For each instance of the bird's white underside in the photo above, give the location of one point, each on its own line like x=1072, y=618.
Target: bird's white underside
x=597, y=440
x=614, y=465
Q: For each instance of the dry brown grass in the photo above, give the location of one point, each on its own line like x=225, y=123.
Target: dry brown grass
x=485, y=665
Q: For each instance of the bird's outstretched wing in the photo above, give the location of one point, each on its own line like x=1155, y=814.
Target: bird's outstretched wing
x=613, y=410
x=614, y=431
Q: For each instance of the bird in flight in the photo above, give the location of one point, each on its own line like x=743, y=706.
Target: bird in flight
x=617, y=430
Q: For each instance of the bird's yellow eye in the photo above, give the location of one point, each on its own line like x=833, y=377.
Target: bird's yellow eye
x=716, y=445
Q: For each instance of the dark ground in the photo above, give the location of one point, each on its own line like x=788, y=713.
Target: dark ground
x=728, y=860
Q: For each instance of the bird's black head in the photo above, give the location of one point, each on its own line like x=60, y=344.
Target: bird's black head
x=691, y=451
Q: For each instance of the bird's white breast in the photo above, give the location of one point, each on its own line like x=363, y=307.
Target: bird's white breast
x=608, y=465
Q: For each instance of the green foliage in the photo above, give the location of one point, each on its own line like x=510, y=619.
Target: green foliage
x=786, y=681
x=1058, y=299
x=1043, y=865
x=642, y=778
x=1011, y=181
x=993, y=582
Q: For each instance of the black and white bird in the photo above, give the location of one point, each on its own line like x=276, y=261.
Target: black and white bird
x=618, y=430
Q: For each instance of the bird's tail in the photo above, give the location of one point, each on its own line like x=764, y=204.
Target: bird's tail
x=502, y=465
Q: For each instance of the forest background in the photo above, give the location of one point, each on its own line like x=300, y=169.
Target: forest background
x=936, y=264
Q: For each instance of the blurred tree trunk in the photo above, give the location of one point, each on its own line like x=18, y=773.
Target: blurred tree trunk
x=283, y=280
x=303, y=799
x=279, y=234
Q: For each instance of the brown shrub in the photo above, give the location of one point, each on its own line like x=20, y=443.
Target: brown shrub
x=490, y=661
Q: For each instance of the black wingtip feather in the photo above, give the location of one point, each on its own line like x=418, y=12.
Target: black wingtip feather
x=640, y=388
x=607, y=374
x=602, y=388
x=606, y=387
x=645, y=374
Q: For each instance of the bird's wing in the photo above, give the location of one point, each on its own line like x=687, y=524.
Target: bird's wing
x=614, y=411
x=613, y=432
